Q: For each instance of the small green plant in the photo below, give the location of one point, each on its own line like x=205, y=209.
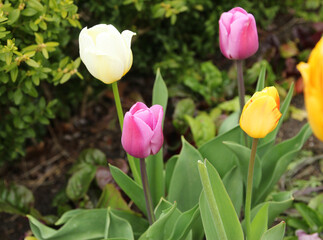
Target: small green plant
x=34, y=35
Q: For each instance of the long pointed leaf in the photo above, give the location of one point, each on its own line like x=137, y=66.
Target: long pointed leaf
x=277, y=232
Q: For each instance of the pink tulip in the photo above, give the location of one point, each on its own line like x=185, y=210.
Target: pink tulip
x=142, y=133
x=303, y=236
x=238, y=34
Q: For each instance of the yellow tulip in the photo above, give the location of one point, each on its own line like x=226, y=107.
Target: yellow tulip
x=106, y=52
x=261, y=113
x=312, y=73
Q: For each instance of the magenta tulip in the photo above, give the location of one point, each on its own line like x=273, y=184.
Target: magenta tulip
x=238, y=34
x=142, y=133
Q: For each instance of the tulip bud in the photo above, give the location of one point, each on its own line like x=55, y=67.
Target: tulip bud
x=142, y=133
x=313, y=88
x=238, y=34
x=261, y=113
x=105, y=52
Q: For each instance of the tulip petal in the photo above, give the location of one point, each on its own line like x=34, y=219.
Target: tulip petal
x=243, y=39
x=260, y=117
x=314, y=107
x=105, y=68
x=136, y=136
x=224, y=40
x=146, y=116
x=136, y=107
x=238, y=9
x=304, y=69
x=155, y=109
x=158, y=137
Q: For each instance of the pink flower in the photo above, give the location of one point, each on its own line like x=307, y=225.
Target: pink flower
x=238, y=34
x=142, y=133
x=303, y=236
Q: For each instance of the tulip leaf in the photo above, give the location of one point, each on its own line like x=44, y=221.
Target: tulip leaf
x=111, y=197
x=155, y=163
x=259, y=223
x=160, y=92
x=155, y=172
x=185, y=186
x=223, y=159
x=277, y=232
x=310, y=216
x=230, y=122
x=166, y=214
x=233, y=183
x=130, y=187
x=85, y=224
x=279, y=203
x=261, y=78
x=277, y=159
x=170, y=165
x=228, y=215
x=243, y=156
x=283, y=109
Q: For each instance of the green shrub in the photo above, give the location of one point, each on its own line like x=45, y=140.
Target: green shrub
x=34, y=36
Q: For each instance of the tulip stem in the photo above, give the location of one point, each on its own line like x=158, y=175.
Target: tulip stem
x=241, y=90
x=149, y=202
x=131, y=159
x=249, y=187
x=240, y=84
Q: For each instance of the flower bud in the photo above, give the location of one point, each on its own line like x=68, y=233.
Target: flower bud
x=261, y=113
x=238, y=34
x=105, y=52
x=312, y=73
x=142, y=133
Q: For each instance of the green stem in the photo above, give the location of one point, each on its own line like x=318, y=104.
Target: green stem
x=249, y=187
x=131, y=159
x=211, y=200
x=149, y=202
x=241, y=90
x=240, y=84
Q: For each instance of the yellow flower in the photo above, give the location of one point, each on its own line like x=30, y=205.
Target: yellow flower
x=261, y=113
x=105, y=52
x=312, y=73
x=30, y=238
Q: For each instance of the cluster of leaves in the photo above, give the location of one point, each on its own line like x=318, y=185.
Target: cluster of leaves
x=32, y=58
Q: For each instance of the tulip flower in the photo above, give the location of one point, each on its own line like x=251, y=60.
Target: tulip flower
x=303, y=236
x=238, y=34
x=105, y=52
x=142, y=133
x=313, y=88
x=261, y=113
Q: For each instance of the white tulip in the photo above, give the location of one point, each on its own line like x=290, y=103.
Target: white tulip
x=105, y=52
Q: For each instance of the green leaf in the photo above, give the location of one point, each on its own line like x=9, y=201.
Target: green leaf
x=277, y=159
x=32, y=63
x=14, y=74
x=183, y=107
x=35, y=5
x=15, y=199
x=230, y=122
x=243, y=156
x=155, y=172
x=277, y=232
x=279, y=203
x=184, y=223
x=223, y=160
x=111, y=197
x=85, y=224
x=170, y=165
x=261, y=78
x=233, y=182
x=225, y=207
x=65, y=78
x=160, y=92
x=167, y=215
x=28, y=12
x=13, y=16
x=185, y=186
x=17, y=96
x=130, y=187
x=259, y=223
x=310, y=216
x=80, y=181
x=202, y=128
